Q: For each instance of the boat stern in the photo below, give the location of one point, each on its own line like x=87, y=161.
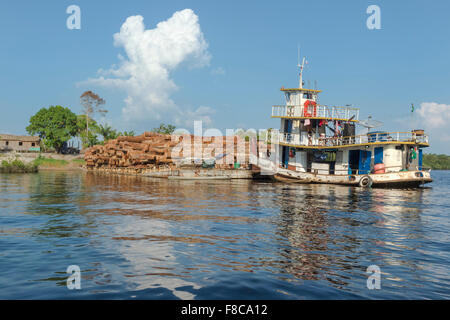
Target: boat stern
x=401, y=179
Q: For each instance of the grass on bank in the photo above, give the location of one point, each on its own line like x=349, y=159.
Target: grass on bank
x=17, y=166
x=80, y=162
x=55, y=163
x=47, y=162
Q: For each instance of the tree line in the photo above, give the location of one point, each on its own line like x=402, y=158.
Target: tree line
x=436, y=161
x=56, y=125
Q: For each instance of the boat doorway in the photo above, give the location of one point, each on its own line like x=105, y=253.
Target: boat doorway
x=359, y=161
x=378, y=155
x=353, y=161
x=364, y=161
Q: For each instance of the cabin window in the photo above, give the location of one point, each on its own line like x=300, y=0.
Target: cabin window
x=33, y=144
x=307, y=95
x=288, y=97
x=20, y=143
x=7, y=143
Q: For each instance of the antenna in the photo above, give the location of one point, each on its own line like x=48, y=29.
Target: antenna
x=301, y=73
x=301, y=66
x=370, y=123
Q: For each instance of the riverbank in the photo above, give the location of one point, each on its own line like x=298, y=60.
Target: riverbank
x=59, y=164
x=32, y=162
x=17, y=166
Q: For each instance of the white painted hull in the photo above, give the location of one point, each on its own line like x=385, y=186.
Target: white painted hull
x=390, y=179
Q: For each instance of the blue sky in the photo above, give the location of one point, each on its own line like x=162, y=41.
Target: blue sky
x=251, y=52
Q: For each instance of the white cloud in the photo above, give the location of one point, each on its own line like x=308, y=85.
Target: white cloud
x=219, y=71
x=435, y=118
x=151, y=55
x=202, y=113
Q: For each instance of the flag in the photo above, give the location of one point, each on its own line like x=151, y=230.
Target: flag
x=412, y=107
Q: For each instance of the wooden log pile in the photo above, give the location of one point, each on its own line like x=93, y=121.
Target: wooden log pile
x=152, y=150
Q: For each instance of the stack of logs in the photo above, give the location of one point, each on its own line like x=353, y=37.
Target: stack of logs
x=153, y=150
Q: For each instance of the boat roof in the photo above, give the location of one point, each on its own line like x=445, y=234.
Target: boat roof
x=300, y=89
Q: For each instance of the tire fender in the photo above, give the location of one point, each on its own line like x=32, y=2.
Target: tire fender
x=365, y=182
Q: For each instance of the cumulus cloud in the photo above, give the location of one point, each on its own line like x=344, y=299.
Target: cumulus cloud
x=151, y=55
x=435, y=118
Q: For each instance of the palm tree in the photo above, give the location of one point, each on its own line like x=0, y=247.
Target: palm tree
x=107, y=132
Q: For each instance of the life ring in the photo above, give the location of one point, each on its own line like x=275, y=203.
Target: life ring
x=306, y=112
x=365, y=182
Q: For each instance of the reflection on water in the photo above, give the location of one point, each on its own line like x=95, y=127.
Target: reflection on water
x=155, y=238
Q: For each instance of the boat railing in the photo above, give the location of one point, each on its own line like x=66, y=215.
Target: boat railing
x=305, y=139
x=319, y=111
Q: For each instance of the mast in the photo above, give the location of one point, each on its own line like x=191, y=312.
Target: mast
x=300, y=86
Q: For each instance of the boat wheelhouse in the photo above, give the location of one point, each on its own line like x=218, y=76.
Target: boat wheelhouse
x=319, y=144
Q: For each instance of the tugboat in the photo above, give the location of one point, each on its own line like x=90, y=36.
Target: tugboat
x=318, y=144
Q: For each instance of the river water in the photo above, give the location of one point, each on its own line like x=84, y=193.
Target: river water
x=144, y=238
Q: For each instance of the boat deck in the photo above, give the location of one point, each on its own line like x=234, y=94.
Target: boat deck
x=303, y=141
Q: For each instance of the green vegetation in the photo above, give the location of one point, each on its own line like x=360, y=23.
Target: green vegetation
x=46, y=162
x=165, y=129
x=56, y=163
x=107, y=132
x=436, y=161
x=55, y=126
x=80, y=162
x=127, y=133
x=88, y=138
x=17, y=166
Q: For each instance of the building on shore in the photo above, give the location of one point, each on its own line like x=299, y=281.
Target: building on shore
x=9, y=142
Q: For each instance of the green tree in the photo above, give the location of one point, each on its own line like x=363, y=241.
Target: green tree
x=88, y=138
x=436, y=161
x=165, y=129
x=127, y=133
x=107, y=132
x=55, y=126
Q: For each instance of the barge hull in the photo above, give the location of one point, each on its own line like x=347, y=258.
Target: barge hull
x=406, y=179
